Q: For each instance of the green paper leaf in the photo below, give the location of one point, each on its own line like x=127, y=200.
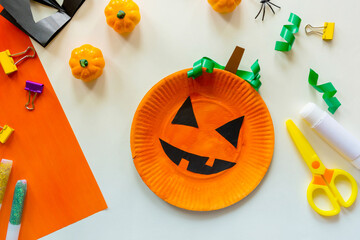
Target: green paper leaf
x=327, y=89
x=287, y=33
x=253, y=77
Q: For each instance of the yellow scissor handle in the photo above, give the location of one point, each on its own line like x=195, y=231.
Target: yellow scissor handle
x=310, y=196
x=354, y=187
x=326, y=183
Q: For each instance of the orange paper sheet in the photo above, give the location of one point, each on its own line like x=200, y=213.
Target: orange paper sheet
x=61, y=187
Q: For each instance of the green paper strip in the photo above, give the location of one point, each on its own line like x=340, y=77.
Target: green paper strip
x=327, y=89
x=18, y=202
x=287, y=33
x=253, y=77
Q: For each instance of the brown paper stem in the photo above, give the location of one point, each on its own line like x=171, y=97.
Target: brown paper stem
x=235, y=59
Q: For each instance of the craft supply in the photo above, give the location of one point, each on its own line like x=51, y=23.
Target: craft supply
x=323, y=178
x=253, y=77
x=332, y=132
x=19, y=13
x=263, y=8
x=122, y=16
x=327, y=89
x=86, y=62
x=5, y=170
x=5, y=133
x=16, y=210
x=46, y=152
x=327, y=31
x=7, y=61
x=203, y=143
x=287, y=33
x=224, y=6
x=33, y=87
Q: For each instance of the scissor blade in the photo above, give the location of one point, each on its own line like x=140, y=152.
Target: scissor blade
x=304, y=147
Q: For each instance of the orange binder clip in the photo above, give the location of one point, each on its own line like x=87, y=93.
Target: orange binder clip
x=7, y=61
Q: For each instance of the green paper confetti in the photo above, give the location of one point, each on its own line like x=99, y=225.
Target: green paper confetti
x=18, y=202
x=253, y=77
x=327, y=89
x=287, y=33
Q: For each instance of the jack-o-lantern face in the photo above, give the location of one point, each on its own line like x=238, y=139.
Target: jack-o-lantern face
x=196, y=163
x=202, y=144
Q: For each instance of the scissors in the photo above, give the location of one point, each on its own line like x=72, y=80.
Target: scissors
x=323, y=178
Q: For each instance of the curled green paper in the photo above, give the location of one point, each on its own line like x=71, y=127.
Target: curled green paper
x=287, y=33
x=327, y=89
x=253, y=77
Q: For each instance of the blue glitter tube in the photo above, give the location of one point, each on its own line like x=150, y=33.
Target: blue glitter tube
x=16, y=210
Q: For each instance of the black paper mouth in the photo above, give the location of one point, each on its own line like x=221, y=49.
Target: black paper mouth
x=197, y=164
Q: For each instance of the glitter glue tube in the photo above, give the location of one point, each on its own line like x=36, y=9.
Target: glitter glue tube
x=5, y=169
x=332, y=132
x=16, y=210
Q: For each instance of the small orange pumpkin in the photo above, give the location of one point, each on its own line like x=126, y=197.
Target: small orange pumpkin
x=224, y=6
x=122, y=15
x=87, y=62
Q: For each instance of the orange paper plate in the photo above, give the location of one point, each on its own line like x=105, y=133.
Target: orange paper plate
x=202, y=144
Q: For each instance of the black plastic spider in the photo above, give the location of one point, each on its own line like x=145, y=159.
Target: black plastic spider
x=263, y=2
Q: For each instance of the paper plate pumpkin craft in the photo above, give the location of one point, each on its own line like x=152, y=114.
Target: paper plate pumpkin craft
x=87, y=62
x=224, y=6
x=203, y=140
x=122, y=15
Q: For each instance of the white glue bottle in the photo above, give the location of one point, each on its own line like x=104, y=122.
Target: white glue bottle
x=332, y=132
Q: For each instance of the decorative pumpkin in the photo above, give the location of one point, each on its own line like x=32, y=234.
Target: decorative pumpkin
x=87, y=62
x=122, y=15
x=224, y=6
x=202, y=144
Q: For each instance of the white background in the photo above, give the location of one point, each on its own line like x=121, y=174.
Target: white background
x=170, y=37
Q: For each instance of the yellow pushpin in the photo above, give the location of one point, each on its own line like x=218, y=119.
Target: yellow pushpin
x=5, y=133
x=327, y=31
x=7, y=61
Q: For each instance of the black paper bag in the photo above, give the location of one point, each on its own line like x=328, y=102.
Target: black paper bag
x=18, y=12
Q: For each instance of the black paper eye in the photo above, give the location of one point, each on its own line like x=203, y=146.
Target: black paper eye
x=231, y=130
x=185, y=115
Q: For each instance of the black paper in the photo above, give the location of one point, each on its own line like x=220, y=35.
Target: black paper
x=18, y=12
x=231, y=130
x=185, y=115
x=197, y=164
